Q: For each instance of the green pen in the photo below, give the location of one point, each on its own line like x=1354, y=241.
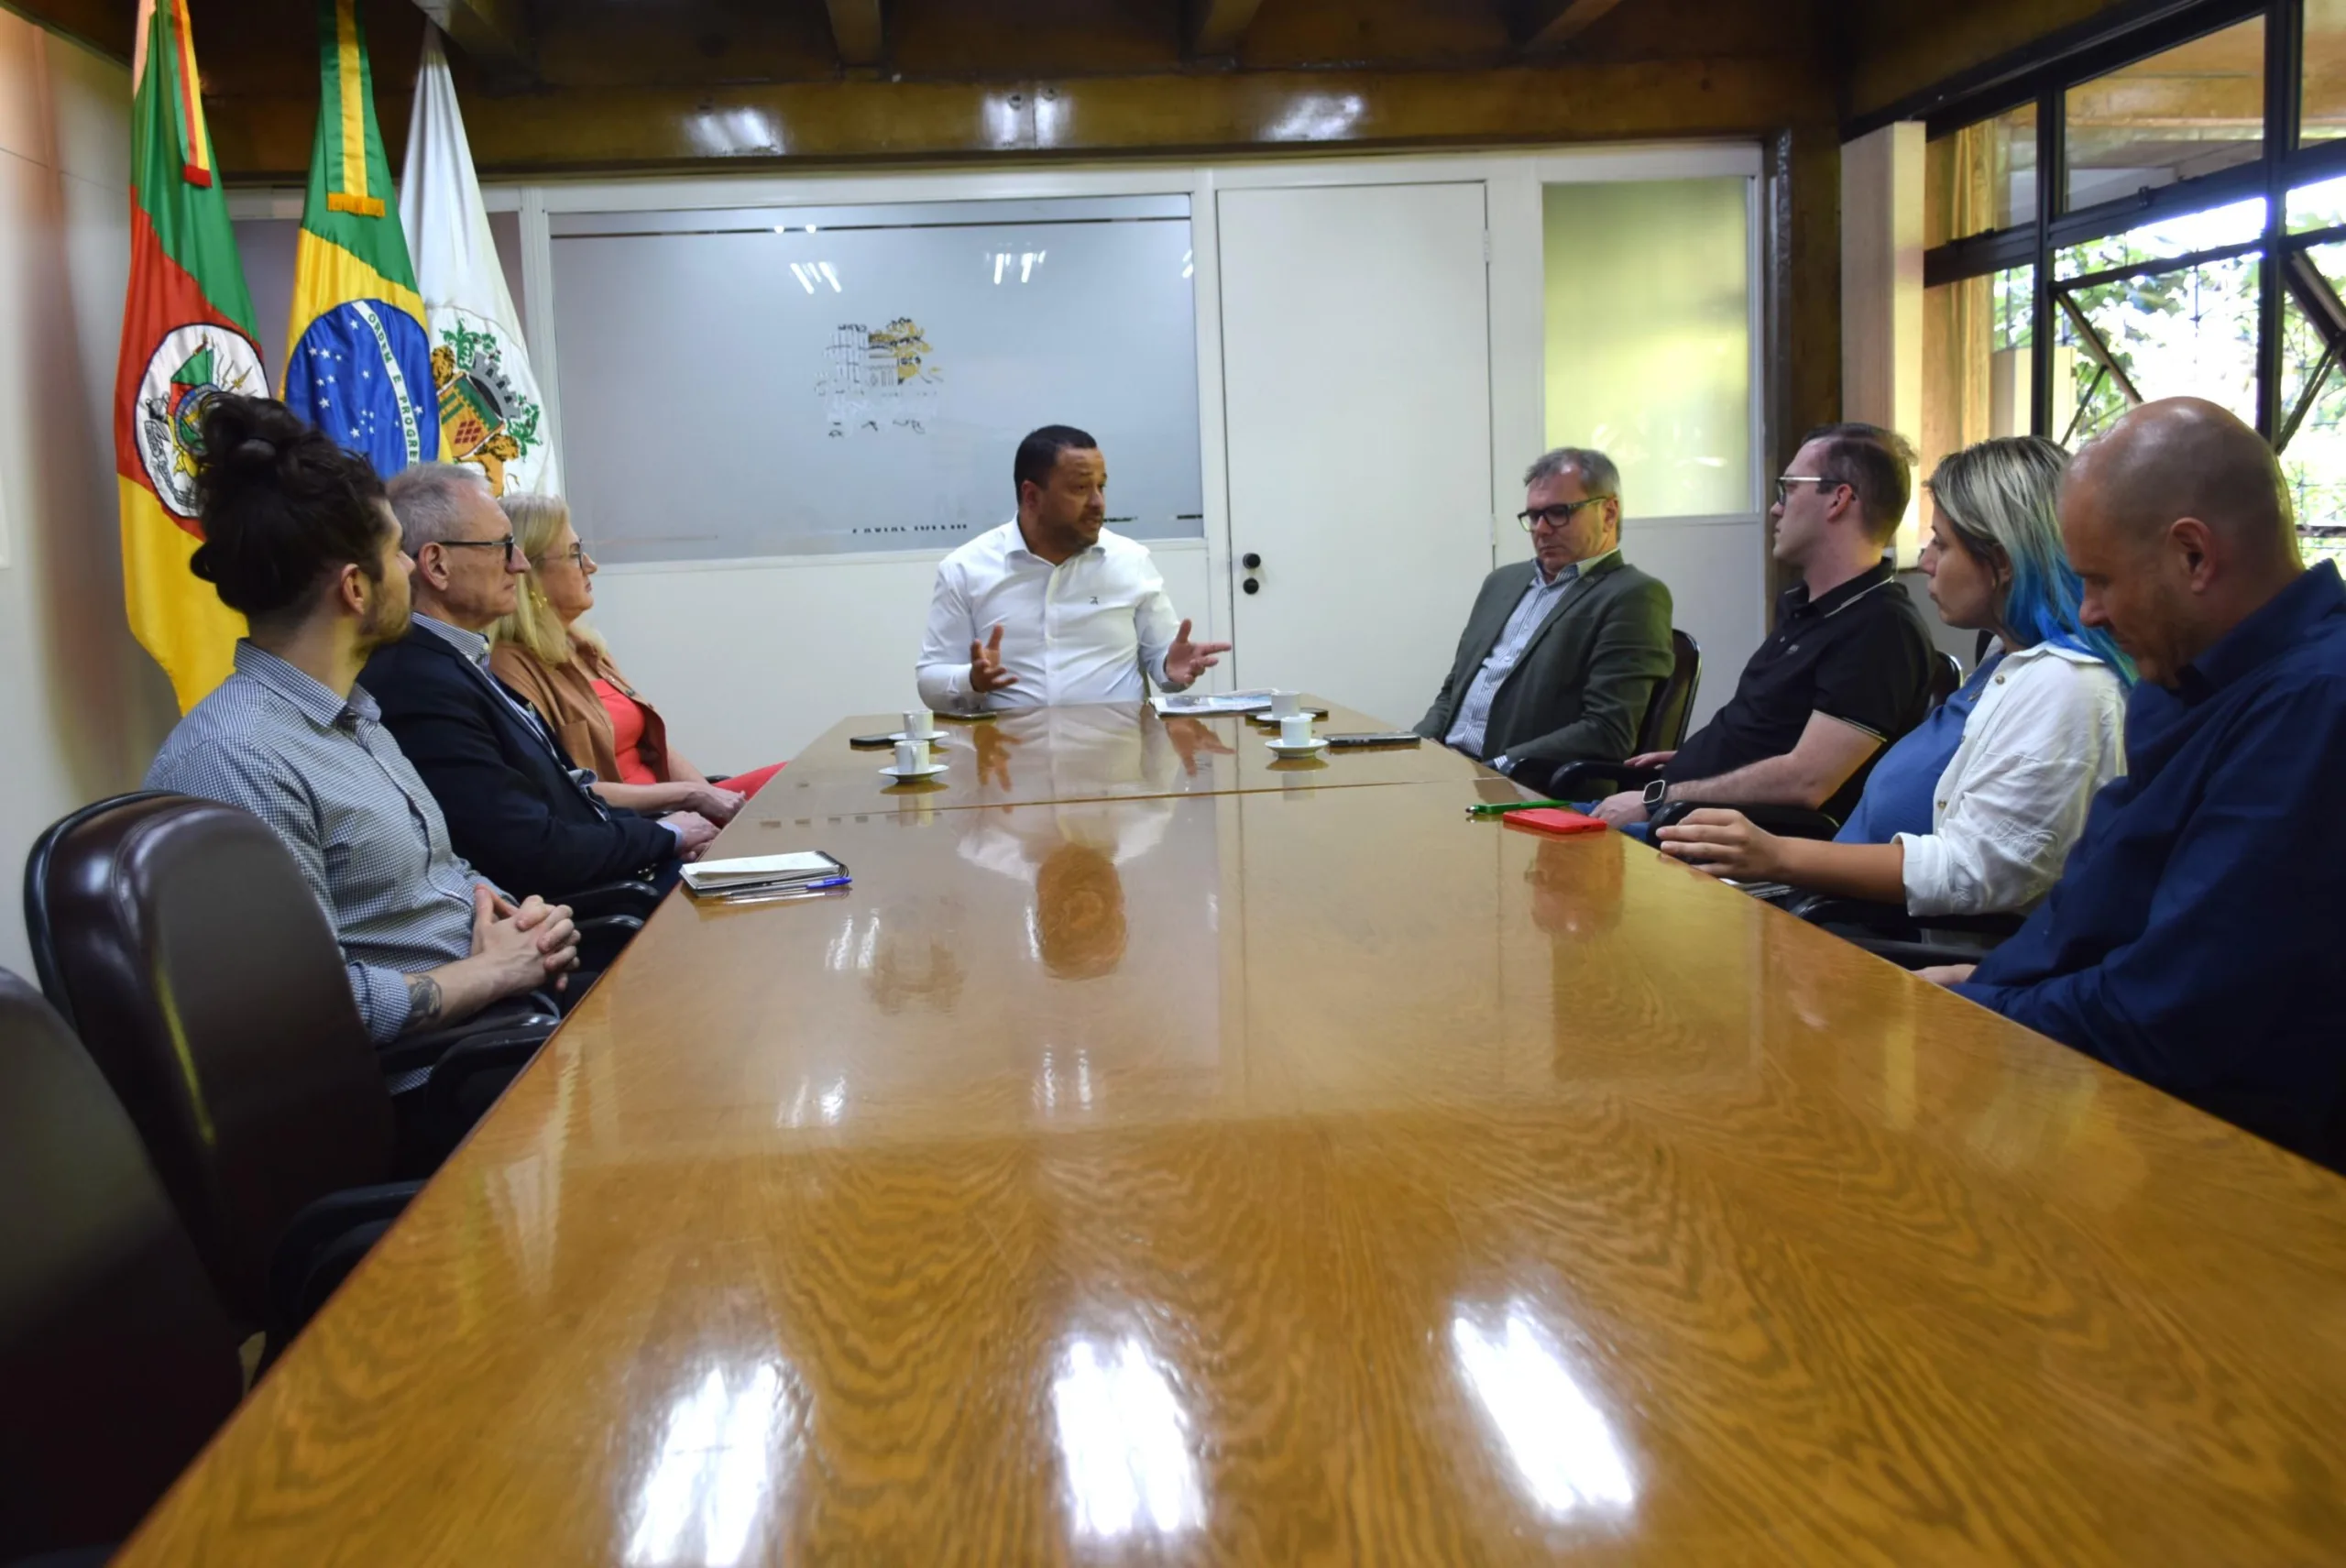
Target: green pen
x=1494, y=808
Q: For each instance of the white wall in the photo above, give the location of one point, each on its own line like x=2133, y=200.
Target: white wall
x=1710, y=566
x=82, y=706
x=751, y=659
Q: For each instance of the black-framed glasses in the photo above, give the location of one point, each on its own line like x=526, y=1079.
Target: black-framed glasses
x=576, y=555
x=505, y=546
x=1819, y=480
x=1555, y=516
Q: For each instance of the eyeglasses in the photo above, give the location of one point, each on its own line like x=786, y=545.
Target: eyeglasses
x=1555, y=516
x=1819, y=480
x=576, y=555
x=505, y=546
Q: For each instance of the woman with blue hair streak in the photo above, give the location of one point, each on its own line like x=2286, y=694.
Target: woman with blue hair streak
x=1974, y=811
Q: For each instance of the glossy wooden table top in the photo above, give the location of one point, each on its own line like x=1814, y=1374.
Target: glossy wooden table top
x=1314, y=1176
x=1103, y=751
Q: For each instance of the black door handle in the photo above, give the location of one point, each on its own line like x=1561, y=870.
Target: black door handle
x=1250, y=561
x=1250, y=585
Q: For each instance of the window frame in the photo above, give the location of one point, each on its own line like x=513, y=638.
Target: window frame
x=2044, y=76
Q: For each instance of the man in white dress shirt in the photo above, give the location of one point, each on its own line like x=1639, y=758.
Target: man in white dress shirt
x=1051, y=608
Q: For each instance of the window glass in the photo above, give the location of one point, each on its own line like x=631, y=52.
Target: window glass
x=2313, y=397
x=1649, y=338
x=1976, y=337
x=2236, y=223
x=2186, y=110
x=2323, y=116
x=1980, y=177
x=2318, y=207
x=2158, y=334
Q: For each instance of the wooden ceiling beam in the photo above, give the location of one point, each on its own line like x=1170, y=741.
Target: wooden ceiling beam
x=494, y=34
x=1218, y=27
x=1549, y=25
x=785, y=125
x=856, y=31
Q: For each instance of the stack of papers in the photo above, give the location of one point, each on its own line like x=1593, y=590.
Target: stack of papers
x=765, y=873
x=1194, y=704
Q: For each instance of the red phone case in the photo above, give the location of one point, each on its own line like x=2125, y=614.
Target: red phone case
x=1552, y=819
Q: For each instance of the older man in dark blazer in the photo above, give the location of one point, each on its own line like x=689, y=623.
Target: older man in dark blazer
x=1562, y=653
x=515, y=808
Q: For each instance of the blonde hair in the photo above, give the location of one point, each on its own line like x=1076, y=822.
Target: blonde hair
x=538, y=521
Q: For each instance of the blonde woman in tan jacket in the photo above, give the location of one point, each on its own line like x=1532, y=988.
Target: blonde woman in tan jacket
x=563, y=669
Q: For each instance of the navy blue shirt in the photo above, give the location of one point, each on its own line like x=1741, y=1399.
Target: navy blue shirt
x=2191, y=938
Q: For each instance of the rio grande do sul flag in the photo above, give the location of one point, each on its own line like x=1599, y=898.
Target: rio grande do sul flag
x=187, y=329
x=490, y=414
x=357, y=364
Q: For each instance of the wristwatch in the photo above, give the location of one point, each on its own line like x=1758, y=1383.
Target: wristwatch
x=1656, y=793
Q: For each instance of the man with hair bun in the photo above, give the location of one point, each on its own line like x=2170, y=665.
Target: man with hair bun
x=299, y=540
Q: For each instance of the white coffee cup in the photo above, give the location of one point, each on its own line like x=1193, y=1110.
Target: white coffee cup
x=1295, y=729
x=912, y=756
x=920, y=723
x=1285, y=705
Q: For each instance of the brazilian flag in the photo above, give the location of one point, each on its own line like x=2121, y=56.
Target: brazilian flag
x=359, y=367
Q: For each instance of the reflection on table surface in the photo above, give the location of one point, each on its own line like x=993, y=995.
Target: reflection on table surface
x=1108, y=750
x=1316, y=1175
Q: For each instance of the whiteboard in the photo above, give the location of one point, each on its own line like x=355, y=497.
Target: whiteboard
x=789, y=381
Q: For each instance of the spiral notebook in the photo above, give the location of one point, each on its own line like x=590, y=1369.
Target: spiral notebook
x=800, y=868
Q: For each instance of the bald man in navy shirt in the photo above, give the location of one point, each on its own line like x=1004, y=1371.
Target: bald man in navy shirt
x=2191, y=938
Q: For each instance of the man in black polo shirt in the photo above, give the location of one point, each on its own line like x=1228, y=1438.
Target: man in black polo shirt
x=1848, y=669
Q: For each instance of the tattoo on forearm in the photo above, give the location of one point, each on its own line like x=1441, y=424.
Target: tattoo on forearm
x=423, y=1002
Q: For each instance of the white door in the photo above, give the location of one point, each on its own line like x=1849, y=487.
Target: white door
x=1355, y=346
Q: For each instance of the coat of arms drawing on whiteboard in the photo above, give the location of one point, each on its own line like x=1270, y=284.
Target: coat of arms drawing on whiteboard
x=878, y=376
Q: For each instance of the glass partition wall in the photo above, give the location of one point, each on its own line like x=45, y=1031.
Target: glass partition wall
x=2162, y=212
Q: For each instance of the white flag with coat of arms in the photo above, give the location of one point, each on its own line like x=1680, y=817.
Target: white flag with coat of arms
x=491, y=415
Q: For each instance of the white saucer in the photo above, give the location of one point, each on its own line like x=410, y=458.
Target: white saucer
x=935, y=737
x=1313, y=747
x=929, y=772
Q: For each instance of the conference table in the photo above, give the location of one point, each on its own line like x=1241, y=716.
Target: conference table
x=1266, y=1164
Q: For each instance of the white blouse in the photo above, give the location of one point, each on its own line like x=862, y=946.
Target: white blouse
x=2048, y=732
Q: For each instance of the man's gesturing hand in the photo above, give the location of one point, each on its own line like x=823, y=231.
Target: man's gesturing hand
x=1185, y=661
x=986, y=674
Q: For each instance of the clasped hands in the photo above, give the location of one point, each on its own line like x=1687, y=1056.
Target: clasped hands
x=532, y=941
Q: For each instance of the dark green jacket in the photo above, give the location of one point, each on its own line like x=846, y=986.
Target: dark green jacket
x=1579, y=691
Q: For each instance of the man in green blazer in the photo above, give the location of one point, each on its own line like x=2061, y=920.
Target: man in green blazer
x=1562, y=653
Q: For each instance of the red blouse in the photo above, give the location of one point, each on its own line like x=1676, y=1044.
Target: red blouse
x=627, y=734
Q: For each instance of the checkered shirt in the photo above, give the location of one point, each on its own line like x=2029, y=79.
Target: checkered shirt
x=333, y=784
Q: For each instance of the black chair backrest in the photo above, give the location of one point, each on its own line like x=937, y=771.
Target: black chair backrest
x=117, y=1357
x=1673, y=701
x=179, y=938
x=1947, y=677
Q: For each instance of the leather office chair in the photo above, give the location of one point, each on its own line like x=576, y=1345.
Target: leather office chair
x=178, y=940
x=1667, y=718
x=1673, y=707
x=117, y=1356
x=1910, y=941
x=608, y=917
